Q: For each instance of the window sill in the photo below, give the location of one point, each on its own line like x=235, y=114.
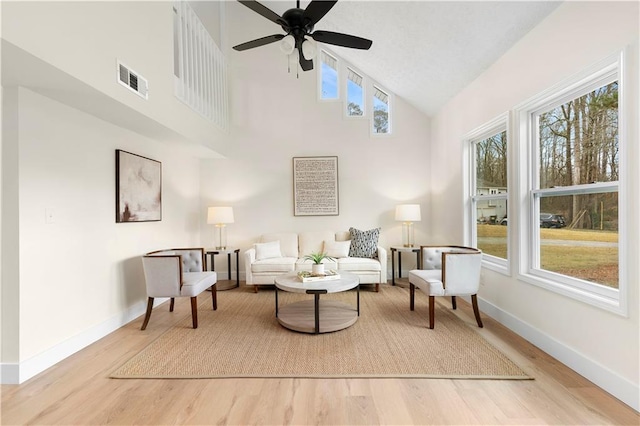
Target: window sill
x=611, y=302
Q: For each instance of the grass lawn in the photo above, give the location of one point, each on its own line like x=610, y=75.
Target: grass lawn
x=594, y=264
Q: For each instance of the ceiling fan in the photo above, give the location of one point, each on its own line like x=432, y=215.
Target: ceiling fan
x=298, y=25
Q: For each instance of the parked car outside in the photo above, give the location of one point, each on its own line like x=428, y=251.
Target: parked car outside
x=548, y=220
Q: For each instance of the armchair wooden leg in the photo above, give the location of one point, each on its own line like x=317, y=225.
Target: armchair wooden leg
x=194, y=311
x=432, y=311
x=171, y=304
x=412, y=296
x=214, y=296
x=148, y=314
x=454, y=305
x=476, y=311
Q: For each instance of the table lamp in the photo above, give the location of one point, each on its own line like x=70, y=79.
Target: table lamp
x=220, y=216
x=407, y=214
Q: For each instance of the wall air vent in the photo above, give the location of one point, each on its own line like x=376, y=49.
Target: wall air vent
x=133, y=81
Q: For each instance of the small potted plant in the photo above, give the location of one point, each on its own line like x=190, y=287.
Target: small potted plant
x=318, y=267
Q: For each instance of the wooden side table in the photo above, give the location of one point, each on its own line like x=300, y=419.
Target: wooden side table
x=229, y=284
x=399, y=250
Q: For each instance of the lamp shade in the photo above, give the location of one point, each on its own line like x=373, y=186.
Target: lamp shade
x=220, y=215
x=408, y=213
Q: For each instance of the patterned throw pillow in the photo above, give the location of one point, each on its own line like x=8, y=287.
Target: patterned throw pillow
x=364, y=243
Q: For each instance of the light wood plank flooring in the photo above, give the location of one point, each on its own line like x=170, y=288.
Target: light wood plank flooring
x=78, y=391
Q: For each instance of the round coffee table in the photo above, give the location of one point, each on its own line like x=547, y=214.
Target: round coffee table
x=317, y=316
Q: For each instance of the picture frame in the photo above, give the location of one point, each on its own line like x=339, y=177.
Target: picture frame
x=138, y=188
x=315, y=186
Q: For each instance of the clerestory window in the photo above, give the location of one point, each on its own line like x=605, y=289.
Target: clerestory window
x=355, y=94
x=329, y=87
x=381, y=123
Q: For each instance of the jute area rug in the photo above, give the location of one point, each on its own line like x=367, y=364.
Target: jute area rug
x=244, y=339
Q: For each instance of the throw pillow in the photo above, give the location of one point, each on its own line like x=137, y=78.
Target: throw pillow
x=364, y=243
x=337, y=249
x=268, y=250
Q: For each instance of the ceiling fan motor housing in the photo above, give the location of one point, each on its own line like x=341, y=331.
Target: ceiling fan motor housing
x=296, y=24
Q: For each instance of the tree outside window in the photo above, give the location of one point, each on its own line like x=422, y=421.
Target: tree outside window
x=380, y=111
x=355, y=94
x=576, y=200
x=489, y=195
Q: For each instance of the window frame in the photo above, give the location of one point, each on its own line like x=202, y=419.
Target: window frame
x=497, y=125
x=319, y=76
x=529, y=193
x=372, y=92
x=365, y=112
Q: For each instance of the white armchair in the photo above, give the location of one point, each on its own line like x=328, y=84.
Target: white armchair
x=177, y=273
x=447, y=271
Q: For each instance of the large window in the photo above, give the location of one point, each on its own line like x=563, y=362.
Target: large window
x=488, y=192
x=573, y=188
x=576, y=201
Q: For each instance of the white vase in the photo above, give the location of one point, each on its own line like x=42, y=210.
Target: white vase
x=317, y=269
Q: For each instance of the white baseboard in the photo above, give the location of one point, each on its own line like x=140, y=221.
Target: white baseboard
x=623, y=389
x=15, y=374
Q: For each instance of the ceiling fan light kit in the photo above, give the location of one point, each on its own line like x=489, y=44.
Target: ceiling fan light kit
x=298, y=24
x=287, y=45
x=309, y=49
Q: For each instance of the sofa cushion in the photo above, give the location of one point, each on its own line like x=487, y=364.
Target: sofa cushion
x=276, y=264
x=337, y=249
x=267, y=250
x=354, y=264
x=313, y=241
x=288, y=242
x=364, y=243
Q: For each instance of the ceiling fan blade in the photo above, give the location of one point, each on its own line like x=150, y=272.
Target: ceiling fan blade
x=305, y=64
x=258, y=42
x=339, y=39
x=317, y=9
x=264, y=11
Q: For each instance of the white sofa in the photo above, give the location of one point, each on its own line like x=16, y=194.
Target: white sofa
x=281, y=253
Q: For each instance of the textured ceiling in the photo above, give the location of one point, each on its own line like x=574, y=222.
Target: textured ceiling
x=427, y=51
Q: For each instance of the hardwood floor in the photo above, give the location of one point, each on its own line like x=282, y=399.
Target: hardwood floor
x=78, y=391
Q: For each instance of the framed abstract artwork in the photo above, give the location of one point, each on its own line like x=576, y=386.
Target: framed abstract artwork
x=138, y=188
x=315, y=186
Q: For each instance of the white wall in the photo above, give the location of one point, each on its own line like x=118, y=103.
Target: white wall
x=600, y=345
x=276, y=116
x=83, y=272
x=86, y=38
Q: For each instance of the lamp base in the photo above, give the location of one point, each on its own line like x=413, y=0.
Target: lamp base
x=407, y=234
x=221, y=237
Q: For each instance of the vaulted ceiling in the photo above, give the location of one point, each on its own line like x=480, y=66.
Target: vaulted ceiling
x=426, y=51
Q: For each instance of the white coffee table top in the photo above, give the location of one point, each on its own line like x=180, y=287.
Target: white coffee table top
x=291, y=283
